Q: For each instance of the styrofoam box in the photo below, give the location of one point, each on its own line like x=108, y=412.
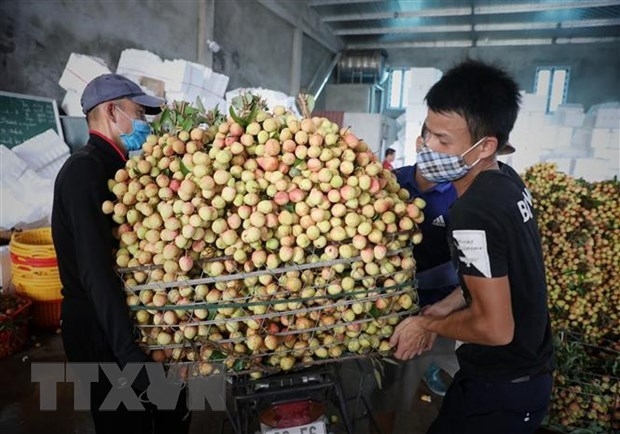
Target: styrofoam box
x=425, y=76
x=71, y=104
x=80, y=70
x=607, y=117
x=563, y=136
x=41, y=150
x=569, y=115
x=416, y=94
x=135, y=64
x=217, y=83
x=581, y=137
x=416, y=113
x=570, y=152
x=533, y=102
x=564, y=164
x=5, y=269
x=611, y=155
x=531, y=119
x=605, y=138
x=591, y=169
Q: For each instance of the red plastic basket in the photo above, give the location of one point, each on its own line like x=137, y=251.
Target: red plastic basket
x=14, y=328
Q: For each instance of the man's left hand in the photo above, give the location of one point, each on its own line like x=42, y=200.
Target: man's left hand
x=411, y=338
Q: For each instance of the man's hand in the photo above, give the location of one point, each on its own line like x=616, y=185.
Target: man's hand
x=411, y=339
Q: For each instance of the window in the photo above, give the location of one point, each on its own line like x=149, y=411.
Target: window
x=399, y=83
x=552, y=82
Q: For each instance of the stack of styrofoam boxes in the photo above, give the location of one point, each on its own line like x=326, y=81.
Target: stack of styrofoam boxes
x=144, y=68
x=181, y=80
x=603, y=126
x=422, y=79
x=78, y=72
x=568, y=144
x=533, y=134
x=186, y=81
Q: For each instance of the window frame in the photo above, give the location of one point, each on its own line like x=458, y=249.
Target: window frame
x=549, y=91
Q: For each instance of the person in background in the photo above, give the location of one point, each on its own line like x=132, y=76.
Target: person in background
x=96, y=326
x=500, y=317
x=437, y=279
x=390, y=156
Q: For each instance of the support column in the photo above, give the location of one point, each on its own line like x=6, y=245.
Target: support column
x=206, y=24
x=298, y=37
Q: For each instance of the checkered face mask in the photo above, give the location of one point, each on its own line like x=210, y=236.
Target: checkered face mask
x=439, y=167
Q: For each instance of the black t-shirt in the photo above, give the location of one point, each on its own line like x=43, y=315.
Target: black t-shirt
x=493, y=233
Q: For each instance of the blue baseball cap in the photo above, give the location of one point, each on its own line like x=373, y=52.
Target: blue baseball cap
x=109, y=87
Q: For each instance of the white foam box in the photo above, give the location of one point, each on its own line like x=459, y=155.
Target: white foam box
x=569, y=115
x=533, y=102
x=591, y=169
x=605, y=138
x=402, y=119
x=5, y=270
x=416, y=113
x=425, y=76
x=611, y=155
x=42, y=150
x=416, y=94
x=135, y=64
x=217, y=83
x=581, y=137
x=80, y=70
x=563, y=136
x=607, y=117
x=71, y=104
x=532, y=120
x=564, y=164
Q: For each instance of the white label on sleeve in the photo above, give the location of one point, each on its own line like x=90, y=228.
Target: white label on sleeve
x=472, y=250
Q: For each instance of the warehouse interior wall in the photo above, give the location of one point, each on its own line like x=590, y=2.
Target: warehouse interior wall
x=37, y=37
x=594, y=68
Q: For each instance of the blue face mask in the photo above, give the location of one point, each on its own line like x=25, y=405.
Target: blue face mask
x=140, y=130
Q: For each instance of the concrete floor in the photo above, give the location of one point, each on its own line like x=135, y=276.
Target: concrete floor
x=20, y=413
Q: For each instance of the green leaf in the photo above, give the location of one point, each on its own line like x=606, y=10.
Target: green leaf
x=297, y=162
x=199, y=105
x=374, y=312
x=184, y=168
x=187, y=124
x=236, y=118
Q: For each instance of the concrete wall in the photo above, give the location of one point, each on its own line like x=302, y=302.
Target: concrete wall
x=594, y=68
x=37, y=36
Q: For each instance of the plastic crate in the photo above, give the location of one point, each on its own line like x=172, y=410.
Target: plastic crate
x=14, y=327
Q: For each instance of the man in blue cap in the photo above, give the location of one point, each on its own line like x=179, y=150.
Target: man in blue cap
x=96, y=326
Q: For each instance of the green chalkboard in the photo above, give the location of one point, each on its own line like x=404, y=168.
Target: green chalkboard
x=24, y=116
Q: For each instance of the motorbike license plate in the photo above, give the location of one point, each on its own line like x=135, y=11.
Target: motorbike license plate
x=317, y=427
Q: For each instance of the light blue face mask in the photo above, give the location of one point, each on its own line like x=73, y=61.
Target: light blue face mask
x=140, y=130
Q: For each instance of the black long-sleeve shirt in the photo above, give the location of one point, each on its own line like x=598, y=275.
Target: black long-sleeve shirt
x=84, y=244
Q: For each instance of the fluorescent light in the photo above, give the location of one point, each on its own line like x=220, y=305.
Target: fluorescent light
x=511, y=42
x=412, y=44
x=591, y=40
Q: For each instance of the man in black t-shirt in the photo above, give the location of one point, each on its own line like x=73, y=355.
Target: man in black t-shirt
x=501, y=320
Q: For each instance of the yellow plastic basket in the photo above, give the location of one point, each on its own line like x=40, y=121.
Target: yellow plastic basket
x=33, y=265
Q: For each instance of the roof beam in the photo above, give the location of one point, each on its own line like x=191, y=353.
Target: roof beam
x=481, y=43
x=513, y=8
x=500, y=27
x=398, y=30
x=313, y=3
x=369, y=16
